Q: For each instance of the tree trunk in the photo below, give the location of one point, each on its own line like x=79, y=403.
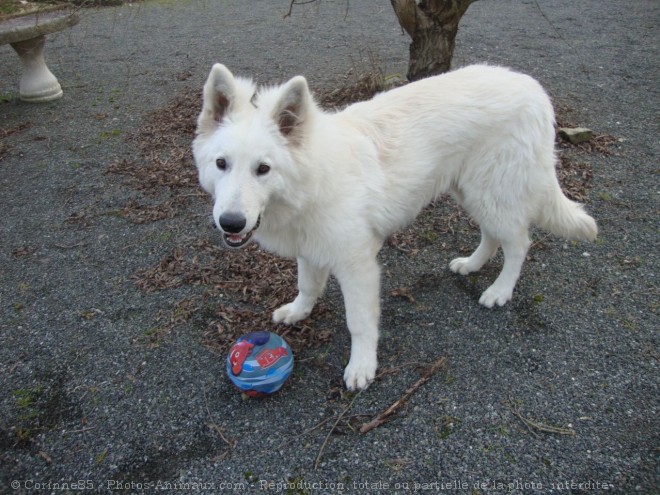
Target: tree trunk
x=432, y=25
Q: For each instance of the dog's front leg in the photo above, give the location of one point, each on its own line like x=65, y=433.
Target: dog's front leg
x=360, y=285
x=311, y=284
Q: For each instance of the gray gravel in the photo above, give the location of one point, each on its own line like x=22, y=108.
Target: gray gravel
x=576, y=349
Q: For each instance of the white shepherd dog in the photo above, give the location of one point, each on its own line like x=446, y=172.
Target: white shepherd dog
x=329, y=188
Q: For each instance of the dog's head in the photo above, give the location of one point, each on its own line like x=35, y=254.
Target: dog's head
x=243, y=148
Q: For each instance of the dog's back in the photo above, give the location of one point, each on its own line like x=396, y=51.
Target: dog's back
x=484, y=134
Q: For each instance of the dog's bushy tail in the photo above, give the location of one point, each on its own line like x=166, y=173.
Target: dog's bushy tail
x=566, y=218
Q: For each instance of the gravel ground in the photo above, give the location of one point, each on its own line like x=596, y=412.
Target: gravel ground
x=89, y=397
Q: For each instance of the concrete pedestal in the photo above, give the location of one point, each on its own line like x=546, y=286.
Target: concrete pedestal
x=27, y=35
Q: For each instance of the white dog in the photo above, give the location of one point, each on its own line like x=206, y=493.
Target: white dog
x=329, y=188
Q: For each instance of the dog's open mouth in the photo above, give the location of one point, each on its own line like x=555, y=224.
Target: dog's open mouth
x=239, y=240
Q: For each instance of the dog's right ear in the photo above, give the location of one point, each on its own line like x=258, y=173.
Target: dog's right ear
x=219, y=94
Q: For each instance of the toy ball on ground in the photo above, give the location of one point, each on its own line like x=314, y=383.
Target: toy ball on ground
x=259, y=363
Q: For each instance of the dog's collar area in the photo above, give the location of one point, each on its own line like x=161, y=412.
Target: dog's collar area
x=239, y=240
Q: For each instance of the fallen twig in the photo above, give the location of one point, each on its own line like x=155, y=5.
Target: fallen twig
x=215, y=427
x=81, y=430
x=382, y=417
x=327, y=437
x=294, y=2
x=533, y=425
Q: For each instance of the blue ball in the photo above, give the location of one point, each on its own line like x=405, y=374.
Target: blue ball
x=259, y=363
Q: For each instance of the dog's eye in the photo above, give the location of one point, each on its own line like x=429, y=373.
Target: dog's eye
x=221, y=163
x=263, y=169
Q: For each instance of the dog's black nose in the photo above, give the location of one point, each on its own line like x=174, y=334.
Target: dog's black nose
x=232, y=223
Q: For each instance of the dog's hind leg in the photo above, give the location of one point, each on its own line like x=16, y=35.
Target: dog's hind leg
x=311, y=284
x=515, y=249
x=360, y=286
x=486, y=250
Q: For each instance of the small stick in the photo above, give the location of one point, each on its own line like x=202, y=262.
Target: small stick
x=327, y=437
x=296, y=437
x=213, y=426
x=293, y=2
x=515, y=408
x=81, y=430
x=382, y=417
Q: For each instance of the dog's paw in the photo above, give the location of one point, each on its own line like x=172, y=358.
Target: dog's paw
x=290, y=313
x=360, y=373
x=462, y=266
x=495, y=295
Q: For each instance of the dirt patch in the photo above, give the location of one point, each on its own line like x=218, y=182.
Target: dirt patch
x=239, y=293
x=41, y=407
x=5, y=132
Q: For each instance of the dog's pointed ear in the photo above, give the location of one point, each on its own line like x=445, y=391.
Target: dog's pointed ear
x=293, y=107
x=219, y=93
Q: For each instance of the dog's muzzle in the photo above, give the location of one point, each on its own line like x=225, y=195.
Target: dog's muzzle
x=232, y=225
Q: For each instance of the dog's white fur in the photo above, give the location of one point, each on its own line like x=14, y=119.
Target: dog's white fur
x=333, y=186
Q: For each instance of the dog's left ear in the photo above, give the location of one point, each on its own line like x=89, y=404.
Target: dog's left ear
x=292, y=109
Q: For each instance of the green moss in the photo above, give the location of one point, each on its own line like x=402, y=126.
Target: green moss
x=101, y=456
x=105, y=135
x=446, y=426
x=538, y=298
